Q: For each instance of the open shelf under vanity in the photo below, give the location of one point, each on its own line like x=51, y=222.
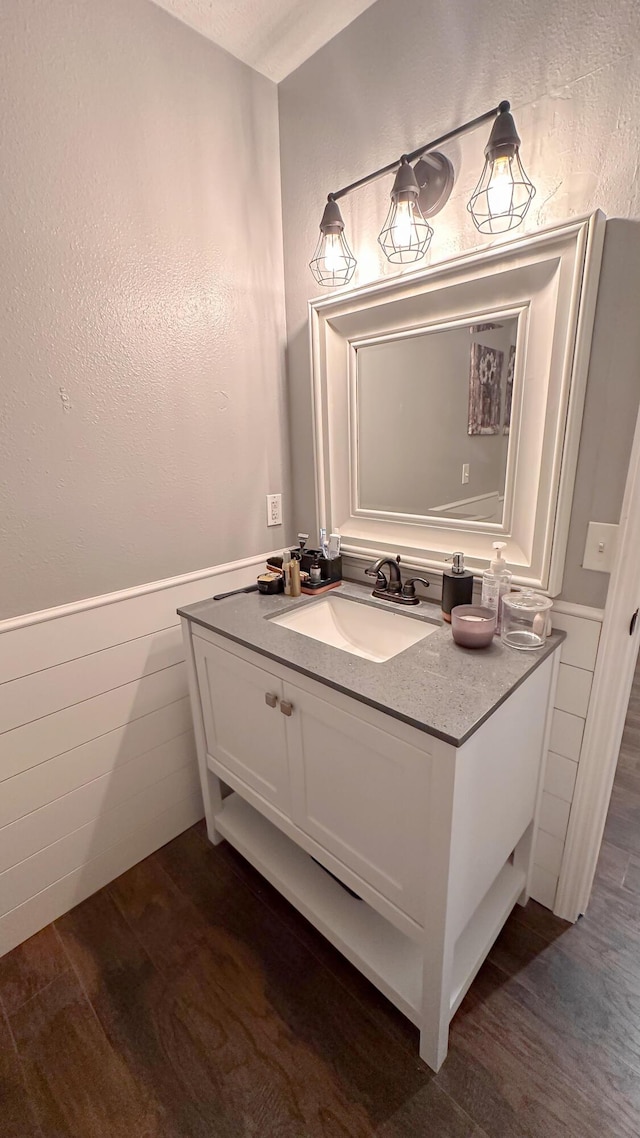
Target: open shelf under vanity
x=390, y=959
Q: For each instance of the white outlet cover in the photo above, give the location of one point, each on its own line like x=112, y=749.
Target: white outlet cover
x=274, y=509
x=600, y=546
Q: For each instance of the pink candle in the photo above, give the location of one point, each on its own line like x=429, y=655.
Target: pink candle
x=473, y=626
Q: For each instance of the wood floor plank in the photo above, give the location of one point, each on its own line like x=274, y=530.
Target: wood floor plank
x=631, y=880
x=30, y=967
x=612, y=866
x=140, y=1013
x=579, y=996
x=17, y=1116
x=78, y=1084
x=258, y=999
x=517, y=1077
x=540, y=920
x=329, y=1067
x=622, y=828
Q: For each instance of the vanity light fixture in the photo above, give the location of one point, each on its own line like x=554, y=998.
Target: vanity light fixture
x=498, y=203
x=333, y=263
x=504, y=193
x=405, y=236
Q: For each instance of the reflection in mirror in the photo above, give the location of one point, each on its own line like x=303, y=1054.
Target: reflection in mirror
x=433, y=413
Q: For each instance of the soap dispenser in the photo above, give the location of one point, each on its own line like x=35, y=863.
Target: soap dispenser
x=496, y=581
x=457, y=586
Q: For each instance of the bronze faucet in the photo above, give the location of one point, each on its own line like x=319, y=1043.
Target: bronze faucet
x=393, y=589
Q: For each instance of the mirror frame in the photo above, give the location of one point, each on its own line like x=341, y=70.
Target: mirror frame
x=550, y=279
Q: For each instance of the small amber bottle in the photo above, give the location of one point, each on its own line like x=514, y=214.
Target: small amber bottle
x=296, y=589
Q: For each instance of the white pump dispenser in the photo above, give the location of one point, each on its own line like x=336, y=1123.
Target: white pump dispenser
x=496, y=581
x=499, y=564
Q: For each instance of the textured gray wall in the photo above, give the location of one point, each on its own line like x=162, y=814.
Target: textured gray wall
x=141, y=307
x=387, y=84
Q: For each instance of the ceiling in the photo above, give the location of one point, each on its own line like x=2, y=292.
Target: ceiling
x=272, y=36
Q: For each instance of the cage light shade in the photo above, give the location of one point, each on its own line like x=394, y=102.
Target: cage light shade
x=405, y=235
x=333, y=263
x=504, y=193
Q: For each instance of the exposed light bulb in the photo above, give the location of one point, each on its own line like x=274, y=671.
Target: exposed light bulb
x=405, y=234
x=500, y=188
x=504, y=192
x=332, y=256
x=333, y=263
x=404, y=227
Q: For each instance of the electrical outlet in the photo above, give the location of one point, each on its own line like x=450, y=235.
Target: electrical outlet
x=465, y=473
x=274, y=509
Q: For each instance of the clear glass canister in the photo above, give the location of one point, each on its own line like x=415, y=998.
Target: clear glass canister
x=526, y=619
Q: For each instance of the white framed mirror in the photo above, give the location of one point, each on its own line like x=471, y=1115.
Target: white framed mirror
x=448, y=404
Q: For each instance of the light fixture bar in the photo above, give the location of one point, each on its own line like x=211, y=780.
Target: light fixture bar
x=433, y=145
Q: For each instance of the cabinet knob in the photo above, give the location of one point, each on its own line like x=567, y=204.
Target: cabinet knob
x=285, y=707
x=270, y=699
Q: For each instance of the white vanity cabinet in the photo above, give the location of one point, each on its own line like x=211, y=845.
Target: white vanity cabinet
x=244, y=733
x=349, y=784
x=435, y=840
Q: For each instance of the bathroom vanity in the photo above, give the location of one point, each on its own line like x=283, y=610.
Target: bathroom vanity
x=334, y=733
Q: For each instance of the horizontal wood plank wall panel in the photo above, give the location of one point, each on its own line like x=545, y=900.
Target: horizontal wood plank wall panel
x=45, y=738
x=68, y=637
x=36, y=787
x=97, y=758
x=575, y=676
x=40, y=828
x=42, y=693
x=52, y=902
x=47, y=866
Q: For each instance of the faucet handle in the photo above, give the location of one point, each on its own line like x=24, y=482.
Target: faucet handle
x=409, y=587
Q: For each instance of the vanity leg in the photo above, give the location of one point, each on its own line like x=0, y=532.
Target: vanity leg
x=209, y=783
x=212, y=806
x=434, y=1043
x=436, y=993
x=437, y=960
x=522, y=859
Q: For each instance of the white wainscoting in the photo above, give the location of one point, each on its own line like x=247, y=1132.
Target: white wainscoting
x=97, y=760
x=578, y=660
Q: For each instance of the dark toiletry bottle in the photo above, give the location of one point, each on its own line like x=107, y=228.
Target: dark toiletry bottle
x=457, y=586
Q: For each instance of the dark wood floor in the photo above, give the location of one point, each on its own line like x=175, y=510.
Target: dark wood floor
x=188, y=999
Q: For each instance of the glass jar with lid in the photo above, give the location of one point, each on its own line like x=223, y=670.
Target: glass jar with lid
x=526, y=619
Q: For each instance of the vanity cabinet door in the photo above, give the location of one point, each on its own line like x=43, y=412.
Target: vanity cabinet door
x=363, y=794
x=244, y=728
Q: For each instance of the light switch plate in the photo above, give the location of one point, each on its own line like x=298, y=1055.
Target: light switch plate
x=600, y=546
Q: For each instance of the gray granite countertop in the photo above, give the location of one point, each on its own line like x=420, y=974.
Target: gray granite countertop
x=435, y=685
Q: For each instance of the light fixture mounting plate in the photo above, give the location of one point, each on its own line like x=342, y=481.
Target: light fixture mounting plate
x=435, y=176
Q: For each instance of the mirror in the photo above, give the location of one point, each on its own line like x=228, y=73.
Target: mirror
x=479, y=362
x=433, y=414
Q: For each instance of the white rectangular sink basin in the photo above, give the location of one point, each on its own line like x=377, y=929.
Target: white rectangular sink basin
x=361, y=629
